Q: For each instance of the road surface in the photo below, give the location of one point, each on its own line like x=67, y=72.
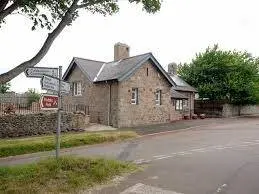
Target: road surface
x=216, y=159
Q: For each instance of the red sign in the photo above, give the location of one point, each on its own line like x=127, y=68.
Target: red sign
x=49, y=102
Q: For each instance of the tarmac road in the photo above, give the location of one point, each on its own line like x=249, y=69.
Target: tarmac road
x=212, y=159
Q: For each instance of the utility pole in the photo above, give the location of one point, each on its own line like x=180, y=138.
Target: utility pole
x=59, y=113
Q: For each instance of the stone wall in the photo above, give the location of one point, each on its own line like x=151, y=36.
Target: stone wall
x=146, y=111
x=232, y=110
x=39, y=124
x=94, y=96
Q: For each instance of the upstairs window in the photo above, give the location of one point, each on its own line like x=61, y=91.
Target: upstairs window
x=77, y=88
x=158, y=97
x=134, y=96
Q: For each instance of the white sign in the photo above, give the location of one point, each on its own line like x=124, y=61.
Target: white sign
x=51, y=83
x=40, y=71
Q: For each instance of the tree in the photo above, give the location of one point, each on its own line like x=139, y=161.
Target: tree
x=33, y=96
x=55, y=15
x=223, y=75
x=4, y=88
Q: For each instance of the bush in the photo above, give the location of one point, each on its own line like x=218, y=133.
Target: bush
x=33, y=96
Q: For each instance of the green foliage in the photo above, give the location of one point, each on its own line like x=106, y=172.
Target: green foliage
x=223, y=75
x=33, y=96
x=65, y=175
x=11, y=147
x=256, y=84
x=4, y=88
x=46, y=13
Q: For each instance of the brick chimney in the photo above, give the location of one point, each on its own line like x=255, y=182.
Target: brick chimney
x=121, y=51
x=172, y=69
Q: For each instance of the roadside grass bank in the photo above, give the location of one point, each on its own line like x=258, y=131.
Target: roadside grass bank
x=65, y=175
x=18, y=146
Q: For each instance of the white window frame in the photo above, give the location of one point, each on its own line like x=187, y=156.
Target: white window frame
x=178, y=104
x=77, y=88
x=158, y=97
x=134, y=96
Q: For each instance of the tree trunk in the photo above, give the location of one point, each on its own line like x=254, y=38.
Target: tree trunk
x=8, y=76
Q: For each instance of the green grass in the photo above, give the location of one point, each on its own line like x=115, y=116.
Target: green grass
x=12, y=147
x=66, y=175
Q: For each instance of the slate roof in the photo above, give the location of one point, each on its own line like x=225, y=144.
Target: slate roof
x=181, y=85
x=89, y=67
x=177, y=95
x=98, y=71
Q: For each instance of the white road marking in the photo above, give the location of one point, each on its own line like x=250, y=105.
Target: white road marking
x=153, y=177
x=164, y=157
x=141, y=161
x=159, y=156
x=221, y=188
x=197, y=150
x=140, y=188
x=183, y=153
x=201, y=150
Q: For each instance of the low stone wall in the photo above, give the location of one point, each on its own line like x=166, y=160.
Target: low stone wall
x=39, y=124
x=232, y=110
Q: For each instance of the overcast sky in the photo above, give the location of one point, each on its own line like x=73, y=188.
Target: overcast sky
x=181, y=29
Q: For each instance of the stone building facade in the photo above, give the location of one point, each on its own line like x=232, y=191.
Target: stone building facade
x=126, y=92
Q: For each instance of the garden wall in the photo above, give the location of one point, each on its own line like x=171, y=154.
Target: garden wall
x=232, y=110
x=39, y=124
x=222, y=109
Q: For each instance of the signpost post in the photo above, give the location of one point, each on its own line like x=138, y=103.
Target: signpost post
x=59, y=113
x=51, y=79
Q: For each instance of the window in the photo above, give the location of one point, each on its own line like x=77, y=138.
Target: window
x=185, y=103
x=77, y=89
x=158, y=97
x=179, y=105
x=134, y=96
x=147, y=71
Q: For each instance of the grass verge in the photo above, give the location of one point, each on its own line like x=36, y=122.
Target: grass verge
x=66, y=175
x=12, y=147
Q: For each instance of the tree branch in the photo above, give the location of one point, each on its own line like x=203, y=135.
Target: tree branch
x=8, y=10
x=83, y=5
x=3, y=4
x=6, y=77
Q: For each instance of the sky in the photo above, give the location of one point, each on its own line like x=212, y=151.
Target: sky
x=179, y=30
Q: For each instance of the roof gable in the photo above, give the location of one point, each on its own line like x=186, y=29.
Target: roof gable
x=89, y=67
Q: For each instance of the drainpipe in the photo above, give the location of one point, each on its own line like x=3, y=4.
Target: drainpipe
x=190, y=106
x=109, y=105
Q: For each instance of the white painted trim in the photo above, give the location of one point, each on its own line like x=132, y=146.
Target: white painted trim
x=99, y=72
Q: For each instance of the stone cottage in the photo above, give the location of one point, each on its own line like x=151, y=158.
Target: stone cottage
x=186, y=105
x=128, y=91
